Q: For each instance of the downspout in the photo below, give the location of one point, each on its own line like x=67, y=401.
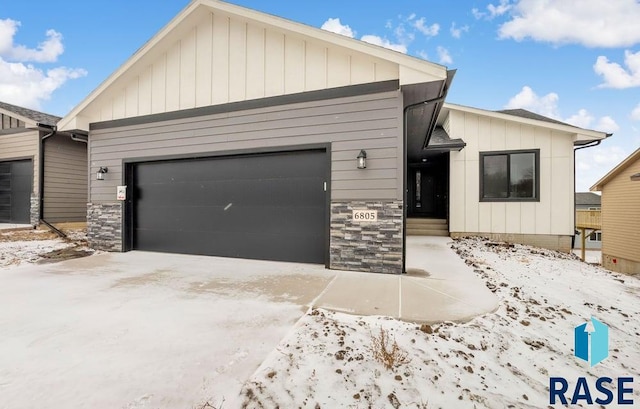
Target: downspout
x=405, y=133
x=588, y=145
x=53, y=131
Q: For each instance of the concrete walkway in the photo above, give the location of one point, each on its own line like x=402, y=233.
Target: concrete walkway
x=12, y=226
x=438, y=287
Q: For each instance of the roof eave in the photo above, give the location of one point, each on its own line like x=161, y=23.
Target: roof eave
x=410, y=65
x=581, y=134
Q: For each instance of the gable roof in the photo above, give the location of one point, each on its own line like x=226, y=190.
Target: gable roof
x=28, y=116
x=588, y=198
x=523, y=113
x=522, y=116
x=630, y=160
x=409, y=70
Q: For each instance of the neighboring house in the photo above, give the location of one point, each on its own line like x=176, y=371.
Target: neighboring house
x=588, y=201
x=43, y=175
x=621, y=216
x=241, y=134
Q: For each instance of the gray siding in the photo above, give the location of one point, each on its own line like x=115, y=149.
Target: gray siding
x=371, y=122
x=65, y=180
x=21, y=145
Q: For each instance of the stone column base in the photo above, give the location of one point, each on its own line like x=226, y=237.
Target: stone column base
x=104, y=226
x=374, y=247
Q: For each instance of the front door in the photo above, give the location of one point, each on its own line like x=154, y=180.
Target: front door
x=428, y=191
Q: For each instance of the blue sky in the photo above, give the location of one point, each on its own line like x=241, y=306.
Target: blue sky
x=577, y=64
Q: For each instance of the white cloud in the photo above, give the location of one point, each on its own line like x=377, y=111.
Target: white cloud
x=593, y=23
x=423, y=54
x=493, y=11
x=607, y=124
x=582, y=119
x=546, y=105
x=48, y=51
x=616, y=76
x=456, y=32
x=335, y=26
x=22, y=83
x=27, y=86
x=428, y=30
x=444, y=56
x=500, y=9
x=635, y=114
x=593, y=163
x=383, y=42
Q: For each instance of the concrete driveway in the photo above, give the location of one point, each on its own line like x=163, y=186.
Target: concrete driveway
x=143, y=330
x=150, y=330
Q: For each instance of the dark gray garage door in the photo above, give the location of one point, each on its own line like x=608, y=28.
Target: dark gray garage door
x=269, y=206
x=15, y=191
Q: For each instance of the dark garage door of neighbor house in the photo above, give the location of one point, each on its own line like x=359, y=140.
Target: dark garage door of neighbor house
x=266, y=206
x=16, y=179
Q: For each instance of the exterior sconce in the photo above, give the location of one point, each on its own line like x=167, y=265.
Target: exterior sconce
x=636, y=177
x=101, y=172
x=362, y=159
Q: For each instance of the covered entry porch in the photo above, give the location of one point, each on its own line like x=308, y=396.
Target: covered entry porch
x=428, y=181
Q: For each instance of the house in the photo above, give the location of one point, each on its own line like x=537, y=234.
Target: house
x=237, y=133
x=43, y=175
x=588, y=201
x=621, y=216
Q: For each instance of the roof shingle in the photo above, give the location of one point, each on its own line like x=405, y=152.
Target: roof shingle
x=36, y=116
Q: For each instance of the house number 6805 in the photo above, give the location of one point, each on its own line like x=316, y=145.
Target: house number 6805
x=365, y=215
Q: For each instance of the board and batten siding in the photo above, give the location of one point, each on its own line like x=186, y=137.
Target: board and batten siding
x=552, y=215
x=372, y=122
x=65, y=180
x=22, y=145
x=621, y=215
x=221, y=59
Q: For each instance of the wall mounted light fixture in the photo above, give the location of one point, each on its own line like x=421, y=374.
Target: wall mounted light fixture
x=362, y=159
x=101, y=172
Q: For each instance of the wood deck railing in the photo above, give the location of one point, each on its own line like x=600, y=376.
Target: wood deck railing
x=588, y=219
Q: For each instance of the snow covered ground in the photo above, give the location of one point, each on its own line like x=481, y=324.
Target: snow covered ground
x=500, y=360
x=326, y=360
x=28, y=246
x=590, y=256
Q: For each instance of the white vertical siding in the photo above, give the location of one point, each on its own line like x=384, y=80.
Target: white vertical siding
x=222, y=59
x=552, y=215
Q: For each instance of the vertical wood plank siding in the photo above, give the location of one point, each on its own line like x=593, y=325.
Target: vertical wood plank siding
x=65, y=180
x=371, y=122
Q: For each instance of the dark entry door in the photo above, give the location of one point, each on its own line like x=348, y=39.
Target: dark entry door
x=268, y=206
x=16, y=180
x=428, y=192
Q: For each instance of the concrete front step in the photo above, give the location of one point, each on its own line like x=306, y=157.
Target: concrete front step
x=427, y=232
x=423, y=222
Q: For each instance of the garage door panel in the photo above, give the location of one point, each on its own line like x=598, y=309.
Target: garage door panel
x=270, y=206
x=15, y=191
x=274, y=192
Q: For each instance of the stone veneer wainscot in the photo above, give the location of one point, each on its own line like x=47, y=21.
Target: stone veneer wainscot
x=34, y=213
x=367, y=246
x=104, y=226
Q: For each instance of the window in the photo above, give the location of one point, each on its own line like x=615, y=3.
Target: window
x=595, y=236
x=510, y=176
